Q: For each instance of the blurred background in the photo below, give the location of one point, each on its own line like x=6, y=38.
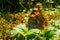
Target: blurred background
x=15, y=12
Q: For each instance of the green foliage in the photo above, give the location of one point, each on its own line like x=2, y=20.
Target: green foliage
x=55, y=23
x=19, y=29
x=21, y=32
x=20, y=5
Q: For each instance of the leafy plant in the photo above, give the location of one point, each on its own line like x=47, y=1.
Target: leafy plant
x=22, y=32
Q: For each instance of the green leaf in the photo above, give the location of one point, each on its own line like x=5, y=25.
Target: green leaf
x=21, y=28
